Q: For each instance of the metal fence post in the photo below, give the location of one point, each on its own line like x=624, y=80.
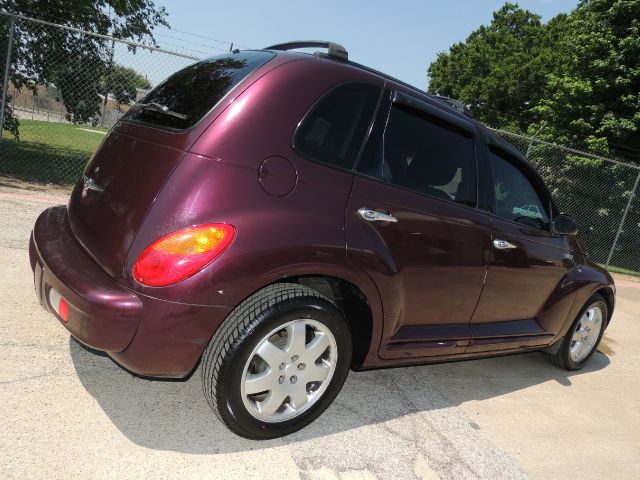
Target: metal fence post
x=624, y=218
x=531, y=142
x=7, y=66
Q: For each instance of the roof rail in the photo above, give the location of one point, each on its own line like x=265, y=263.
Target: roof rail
x=335, y=49
x=455, y=104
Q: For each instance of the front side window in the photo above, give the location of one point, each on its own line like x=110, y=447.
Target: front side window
x=516, y=199
x=333, y=131
x=429, y=156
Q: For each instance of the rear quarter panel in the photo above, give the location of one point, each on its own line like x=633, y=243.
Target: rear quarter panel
x=218, y=181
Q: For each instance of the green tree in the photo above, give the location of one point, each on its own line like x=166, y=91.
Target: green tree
x=74, y=62
x=592, y=99
x=123, y=82
x=576, y=77
x=499, y=70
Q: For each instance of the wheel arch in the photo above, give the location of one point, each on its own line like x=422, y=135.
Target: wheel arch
x=356, y=296
x=354, y=305
x=609, y=297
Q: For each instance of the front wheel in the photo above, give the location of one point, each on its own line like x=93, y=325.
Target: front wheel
x=277, y=362
x=584, y=336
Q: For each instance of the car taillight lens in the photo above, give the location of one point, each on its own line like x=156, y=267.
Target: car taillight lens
x=63, y=309
x=182, y=253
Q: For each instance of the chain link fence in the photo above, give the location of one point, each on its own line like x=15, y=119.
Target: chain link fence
x=600, y=193
x=66, y=88
x=66, y=106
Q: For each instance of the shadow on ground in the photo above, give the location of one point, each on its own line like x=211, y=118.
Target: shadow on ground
x=173, y=415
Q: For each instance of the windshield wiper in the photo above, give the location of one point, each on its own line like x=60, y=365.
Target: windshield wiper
x=159, y=108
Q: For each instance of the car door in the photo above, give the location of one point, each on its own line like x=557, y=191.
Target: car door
x=526, y=297
x=413, y=227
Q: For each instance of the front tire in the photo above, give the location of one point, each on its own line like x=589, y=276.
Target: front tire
x=277, y=362
x=583, y=338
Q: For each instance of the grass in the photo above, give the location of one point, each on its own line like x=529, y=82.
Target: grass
x=48, y=152
x=625, y=271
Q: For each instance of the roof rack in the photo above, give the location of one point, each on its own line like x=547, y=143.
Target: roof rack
x=455, y=104
x=335, y=49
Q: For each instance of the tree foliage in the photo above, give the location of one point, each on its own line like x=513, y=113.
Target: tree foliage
x=499, y=71
x=577, y=75
x=122, y=82
x=74, y=62
x=592, y=100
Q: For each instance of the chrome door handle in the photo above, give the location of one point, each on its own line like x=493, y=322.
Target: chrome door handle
x=375, y=216
x=503, y=244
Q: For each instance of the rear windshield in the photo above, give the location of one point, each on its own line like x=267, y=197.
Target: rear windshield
x=188, y=95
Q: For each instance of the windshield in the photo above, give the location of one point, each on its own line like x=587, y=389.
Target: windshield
x=188, y=95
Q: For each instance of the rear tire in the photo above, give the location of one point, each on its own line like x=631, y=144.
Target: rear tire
x=583, y=338
x=305, y=370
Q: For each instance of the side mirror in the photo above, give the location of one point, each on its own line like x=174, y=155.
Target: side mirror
x=565, y=224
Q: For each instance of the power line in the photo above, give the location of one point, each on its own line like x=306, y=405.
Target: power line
x=204, y=37
x=192, y=43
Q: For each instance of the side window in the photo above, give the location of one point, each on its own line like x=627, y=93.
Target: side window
x=516, y=198
x=428, y=156
x=333, y=131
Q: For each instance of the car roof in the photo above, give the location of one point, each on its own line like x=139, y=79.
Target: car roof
x=339, y=54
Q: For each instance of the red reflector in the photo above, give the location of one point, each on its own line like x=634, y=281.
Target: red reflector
x=182, y=253
x=63, y=309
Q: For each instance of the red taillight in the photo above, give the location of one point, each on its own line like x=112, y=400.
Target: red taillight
x=63, y=309
x=182, y=253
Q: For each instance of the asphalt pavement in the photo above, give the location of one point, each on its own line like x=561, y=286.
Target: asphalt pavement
x=66, y=412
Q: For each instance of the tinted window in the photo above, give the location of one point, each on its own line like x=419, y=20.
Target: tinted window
x=426, y=155
x=333, y=131
x=195, y=90
x=516, y=198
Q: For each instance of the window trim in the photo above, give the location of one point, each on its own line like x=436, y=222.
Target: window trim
x=530, y=175
x=383, y=118
x=365, y=140
x=433, y=111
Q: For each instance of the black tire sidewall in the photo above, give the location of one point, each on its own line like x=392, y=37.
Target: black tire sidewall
x=229, y=381
x=571, y=365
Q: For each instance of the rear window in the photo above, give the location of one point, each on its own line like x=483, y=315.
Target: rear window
x=188, y=95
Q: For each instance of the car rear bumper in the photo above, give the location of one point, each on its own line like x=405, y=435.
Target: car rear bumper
x=146, y=335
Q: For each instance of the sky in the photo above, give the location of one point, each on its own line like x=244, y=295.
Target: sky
x=400, y=38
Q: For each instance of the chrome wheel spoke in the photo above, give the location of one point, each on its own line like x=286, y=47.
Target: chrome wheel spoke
x=317, y=347
x=260, y=382
x=582, y=349
x=297, y=337
x=271, y=354
x=298, y=397
x=317, y=373
x=272, y=402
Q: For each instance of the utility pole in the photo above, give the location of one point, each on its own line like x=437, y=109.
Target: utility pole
x=107, y=82
x=7, y=66
x=532, y=139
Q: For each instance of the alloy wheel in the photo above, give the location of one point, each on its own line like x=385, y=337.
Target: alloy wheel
x=586, y=333
x=289, y=370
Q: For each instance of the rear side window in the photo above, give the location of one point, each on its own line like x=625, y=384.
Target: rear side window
x=429, y=156
x=333, y=131
x=515, y=196
x=193, y=91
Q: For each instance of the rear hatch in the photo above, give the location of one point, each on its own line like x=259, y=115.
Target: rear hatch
x=109, y=204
